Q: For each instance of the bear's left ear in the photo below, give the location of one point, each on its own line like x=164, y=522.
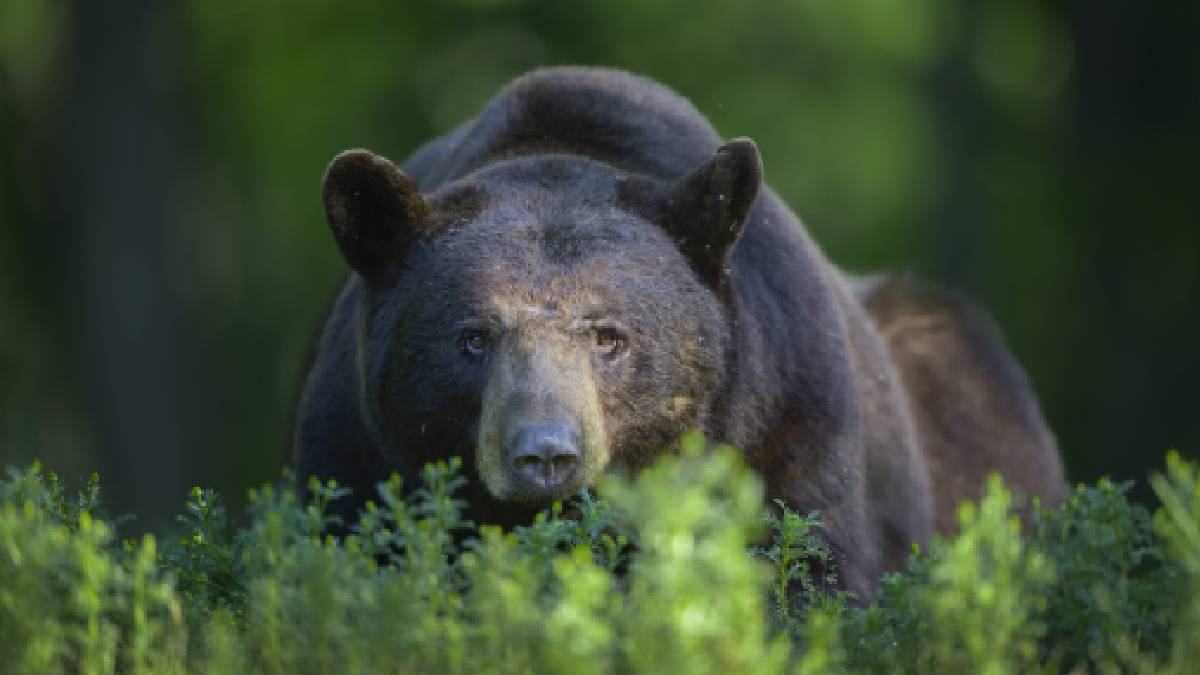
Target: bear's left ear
x=707, y=207
x=373, y=209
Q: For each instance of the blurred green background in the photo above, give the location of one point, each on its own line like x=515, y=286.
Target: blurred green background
x=164, y=262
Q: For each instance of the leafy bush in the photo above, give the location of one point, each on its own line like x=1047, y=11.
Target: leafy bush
x=678, y=569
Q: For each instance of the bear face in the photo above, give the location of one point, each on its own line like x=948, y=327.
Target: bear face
x=537, y=317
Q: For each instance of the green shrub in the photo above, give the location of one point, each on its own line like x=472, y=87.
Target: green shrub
x=679, y=569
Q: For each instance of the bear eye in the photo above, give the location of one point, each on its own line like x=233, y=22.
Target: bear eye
x=607, y=341
x=473, y=341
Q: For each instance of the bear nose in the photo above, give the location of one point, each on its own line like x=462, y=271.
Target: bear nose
x=544, y=456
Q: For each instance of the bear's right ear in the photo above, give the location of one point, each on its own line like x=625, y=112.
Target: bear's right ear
x=373, y=209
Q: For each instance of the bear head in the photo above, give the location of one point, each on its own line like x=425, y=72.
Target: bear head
x=545, y=316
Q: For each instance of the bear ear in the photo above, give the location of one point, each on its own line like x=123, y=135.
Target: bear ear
x=707, y=207
x=373, y=209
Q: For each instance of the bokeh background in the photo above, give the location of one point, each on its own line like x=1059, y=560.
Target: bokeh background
x=164, y=262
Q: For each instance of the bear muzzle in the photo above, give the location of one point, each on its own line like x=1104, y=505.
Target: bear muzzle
x=541, y=426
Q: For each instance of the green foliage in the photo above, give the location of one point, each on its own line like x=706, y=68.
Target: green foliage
x=1092, y=587
x=795, y=547
x=204, y=560
x=969, y=606
x=1178, y=524
x=668, y=571
x=46, y=494
x=70, y=600
x=1115, y=579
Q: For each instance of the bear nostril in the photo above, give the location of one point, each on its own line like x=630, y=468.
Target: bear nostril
x=529, y=462
x=564, y=460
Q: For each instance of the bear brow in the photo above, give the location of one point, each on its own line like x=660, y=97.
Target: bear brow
x=565, y=243
x=458, y=203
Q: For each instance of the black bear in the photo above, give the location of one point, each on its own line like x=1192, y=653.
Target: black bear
x=570, y=280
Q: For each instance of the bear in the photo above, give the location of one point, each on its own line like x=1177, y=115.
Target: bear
x=564, y=284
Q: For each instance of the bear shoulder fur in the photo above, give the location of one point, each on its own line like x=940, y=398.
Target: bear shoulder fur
x=591, y=202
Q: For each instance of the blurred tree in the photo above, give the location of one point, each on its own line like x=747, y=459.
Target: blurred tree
x=115, y=175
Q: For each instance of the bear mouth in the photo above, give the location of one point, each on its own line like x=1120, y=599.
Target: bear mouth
x=540, y=495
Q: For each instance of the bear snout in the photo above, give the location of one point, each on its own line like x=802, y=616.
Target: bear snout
x=544, y=459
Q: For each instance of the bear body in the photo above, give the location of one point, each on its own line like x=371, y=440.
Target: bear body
x=572, y=279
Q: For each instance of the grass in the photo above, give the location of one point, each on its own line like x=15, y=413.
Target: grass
x=679, y=569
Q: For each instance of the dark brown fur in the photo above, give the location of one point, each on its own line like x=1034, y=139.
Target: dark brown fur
x=974, y=410
x=588, y=197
